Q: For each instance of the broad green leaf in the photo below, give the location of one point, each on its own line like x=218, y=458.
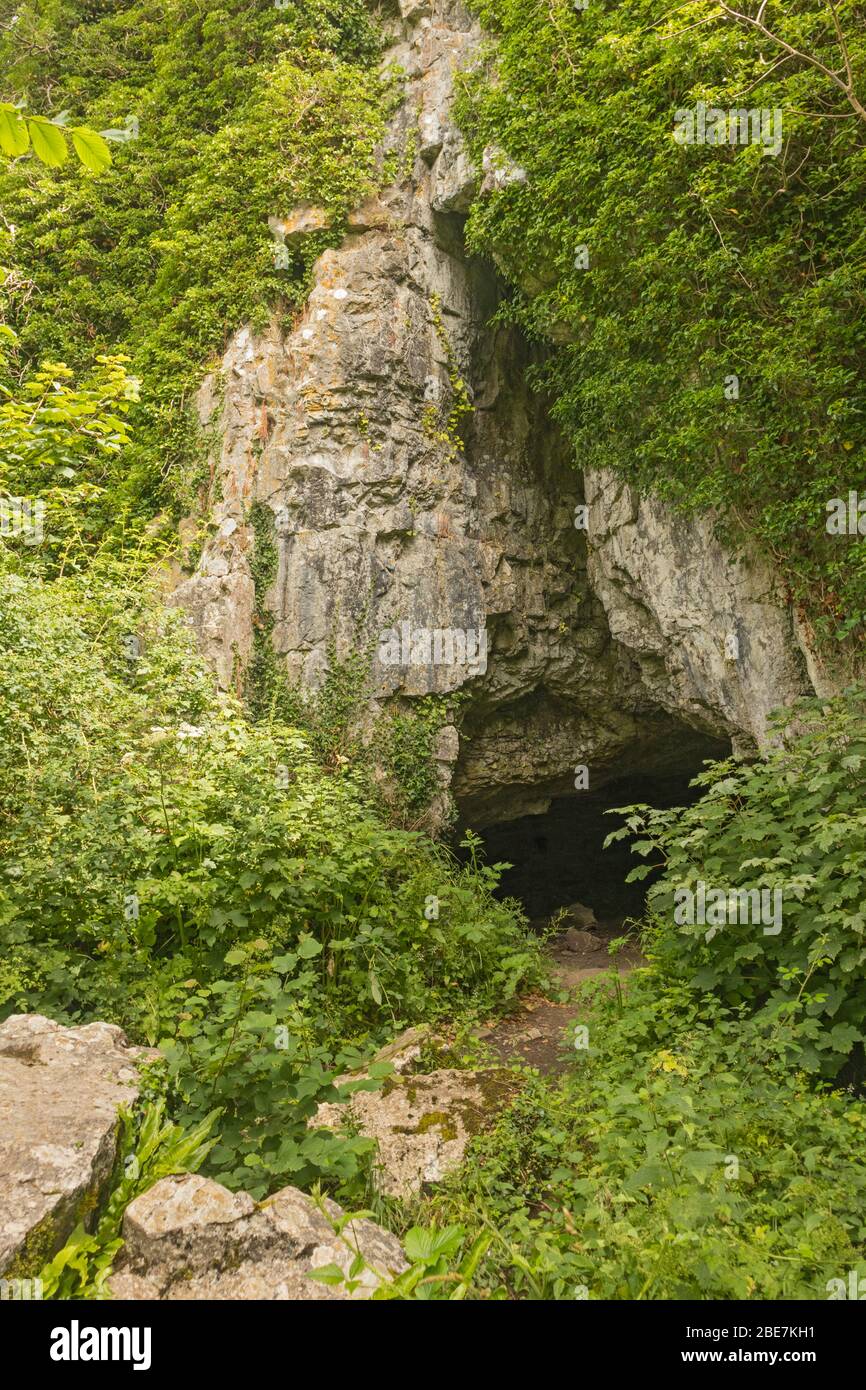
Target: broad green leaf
x=14, y=137
x=91, y=149
x=48, y=142
x=308, y=947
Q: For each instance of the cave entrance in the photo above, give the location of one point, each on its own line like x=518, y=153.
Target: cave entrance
x=558, y=857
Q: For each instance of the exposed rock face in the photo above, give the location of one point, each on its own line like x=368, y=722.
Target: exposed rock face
x=715, y=643
x=602, y=647
x=190, y=1238
x=422, y=1124
x=60, y=1089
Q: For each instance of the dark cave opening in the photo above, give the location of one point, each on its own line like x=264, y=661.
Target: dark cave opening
x=559, y=858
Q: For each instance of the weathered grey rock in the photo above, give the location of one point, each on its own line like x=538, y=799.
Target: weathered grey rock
x=60, y=1091
x=603, y=646
x=415, y=9
x=455, y=178
x=190, y=1238
x=581, y=941
x=579, y=915
x=370, y=216
x=500, y=170
x=422, y=1124
x=300, y=222
x=715, y=642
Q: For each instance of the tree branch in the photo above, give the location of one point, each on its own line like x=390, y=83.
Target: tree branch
x=846, y=85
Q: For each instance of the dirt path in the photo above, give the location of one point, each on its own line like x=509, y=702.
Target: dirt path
x=535, y=1035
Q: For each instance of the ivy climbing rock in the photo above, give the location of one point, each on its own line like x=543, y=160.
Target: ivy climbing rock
x=419, y=487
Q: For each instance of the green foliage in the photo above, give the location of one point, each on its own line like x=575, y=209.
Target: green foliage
x=429, y=1252
x=447, y=432
x=681, y=1158
x=251, y=1044
x=265, y=679
x=795, y=820
x=150, y=1148
x=203, y=881
x=404, y=746
x=242, y=112
x=705, y=261
x=20, y=132
x=60, y=443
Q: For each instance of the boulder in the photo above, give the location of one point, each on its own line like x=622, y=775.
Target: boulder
x=422, y=1124
x=580, y=916
x=575, y=940
x=369, y=216
x=500, y=170
x=188, y=1238
x=60, y=1091
x=302, y=220
x=415, y=9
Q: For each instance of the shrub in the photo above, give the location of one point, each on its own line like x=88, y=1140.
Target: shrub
x=793, y=820
x=204, y=881
x=679, y=1157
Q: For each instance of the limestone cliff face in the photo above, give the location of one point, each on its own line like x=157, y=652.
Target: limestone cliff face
x=604, y=646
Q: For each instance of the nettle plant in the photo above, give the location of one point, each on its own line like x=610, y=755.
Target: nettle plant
x=794, y=819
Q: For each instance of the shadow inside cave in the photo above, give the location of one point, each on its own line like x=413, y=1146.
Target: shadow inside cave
x=558, y=857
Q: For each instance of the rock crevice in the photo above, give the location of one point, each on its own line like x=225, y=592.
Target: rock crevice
x=604, y=646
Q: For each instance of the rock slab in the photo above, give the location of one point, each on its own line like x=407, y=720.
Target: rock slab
x=60, y=1091
x=189, y=1238
x=422, y=1124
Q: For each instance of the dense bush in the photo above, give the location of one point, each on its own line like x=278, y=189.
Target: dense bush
x=61, y=448
x=203, y=881
x=704, y=261
x=680, y=1157
x=794, y=820
x=242, y=111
